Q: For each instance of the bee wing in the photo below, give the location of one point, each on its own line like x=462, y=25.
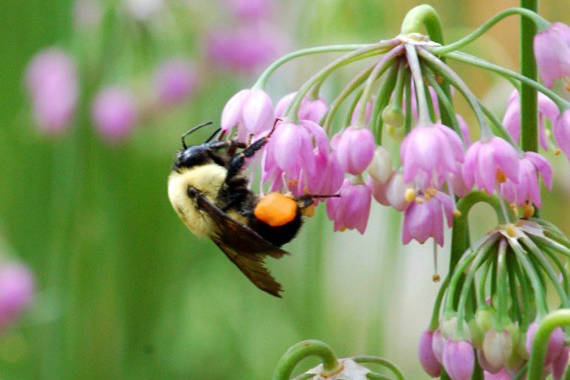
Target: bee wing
x=243, y=246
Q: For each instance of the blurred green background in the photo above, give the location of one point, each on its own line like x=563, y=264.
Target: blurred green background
x=124, y=290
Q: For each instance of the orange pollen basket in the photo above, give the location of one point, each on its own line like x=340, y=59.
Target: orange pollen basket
x=276, y=209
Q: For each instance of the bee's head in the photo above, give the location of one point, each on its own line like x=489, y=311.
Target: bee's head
x=191, y=156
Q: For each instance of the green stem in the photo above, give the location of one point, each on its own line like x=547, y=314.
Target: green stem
x=502, y=285
x=262, y=80
x=515, y=294
x=382, y=99
x=541, y=338
x=367, y=359
x=413, y=61
x=525, y=292
x=445, y=102
x=482, y=289
x=434, y=322
x=352, y=107
x=497, y=127
x=563, y=271
x=408, y=114
x=321, y=75
x=479, y=62
x=552, y=244
x=528, y=94
x=376, y=376
x=301, y=350
x=424, y=15
x=540, y=22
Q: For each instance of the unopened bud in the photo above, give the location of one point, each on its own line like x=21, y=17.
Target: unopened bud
x=393, y=116
x=381, y=166
x=397, y=133
x=497, y=348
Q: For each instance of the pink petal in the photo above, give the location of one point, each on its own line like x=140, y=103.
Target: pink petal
x=232, y=112
x=258, y=114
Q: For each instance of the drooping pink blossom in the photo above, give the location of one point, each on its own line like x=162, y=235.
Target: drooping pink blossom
x=352, y=209
x=328, y=177
x=437, y=345
x=555, y=343
x=250, y=10
x=561, y=132
x=490, y=162
x=560, y=363
x=396, y=191
x=552, y=52
x=547, y=109
x=458, y=359
x=424, y=218
x=527, y=188
x=354, y=149
x=51, y=78
x=174, y=81
x=16, y=291
x=114, y=113
x=427, y=358
x=430, y=154
x=250, y=111
x=310, y=109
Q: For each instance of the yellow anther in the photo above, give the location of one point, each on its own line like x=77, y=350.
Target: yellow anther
x=511, y=230
x=501, y=176
x=409, y=194
x=342, y=229
x=528, y=210
x=456, y=213
x=435, y=277
x=420, y=200
x=557, y=152
x=431, y=191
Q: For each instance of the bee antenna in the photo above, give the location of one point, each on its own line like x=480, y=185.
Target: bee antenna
x=213, y=135
x=324, y=195
x=192, y=130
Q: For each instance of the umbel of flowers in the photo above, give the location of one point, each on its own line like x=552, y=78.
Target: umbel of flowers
x=495, y=294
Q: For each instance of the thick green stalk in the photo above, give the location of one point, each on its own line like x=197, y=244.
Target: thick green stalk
x=541, y=338
x=528, y=94
x=531, y=17
x=301, y=350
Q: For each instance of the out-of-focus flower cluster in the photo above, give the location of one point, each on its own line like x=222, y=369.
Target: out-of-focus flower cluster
x=60, y=82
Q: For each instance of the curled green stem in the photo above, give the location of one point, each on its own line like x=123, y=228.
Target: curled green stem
x=545, y=328
x=424, y=15
x=535, y=18
x=367, y=359
x=301, y=350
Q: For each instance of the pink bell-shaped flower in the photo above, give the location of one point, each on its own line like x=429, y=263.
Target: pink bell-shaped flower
x=527, y=187
x=458, y=359
x=490, y=162
x=555, y=343
x=355, y=149
x=437, y=345
x=396, y=191
x=114, y=113
x=174, y=81
x=501, y=375
x=16, y=291
x=560, y=364
x=51, y=78
x=561, y=132
x=424, y=217
x=552, y=52
x=352, y=208
x=430, y=154
x=251, y=111
x=428, y=360
x=310, y=109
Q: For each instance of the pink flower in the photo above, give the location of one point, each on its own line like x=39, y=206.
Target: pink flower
x=174, y=81
x=16, y=291
x=251, y=111
x=464, y=130
x=458, y=359
x=250, y=10
x=434, y=101
x=555, y=343
x=527, y=187
x=368, y=112
x=489, y=162
x=311, y=109
x=352, y=208
x=437, y=345
x=244, y=49
x=424, y=217
x=114, y=113
x=396, y=192
x=501, y=375
x=561, y=132
x=51, y=78
x=355, y=149
x=430, y=154
x=427, y=357
x=328, y=175
x=512, y=119
x=552, y=52
x=560, y=363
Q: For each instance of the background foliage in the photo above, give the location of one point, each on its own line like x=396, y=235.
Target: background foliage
x=125, y=292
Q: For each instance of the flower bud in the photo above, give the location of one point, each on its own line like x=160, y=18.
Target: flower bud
x=114, y=113
x=381, y=166
x=501, y=375
x=355, y=149
x=485, y=318
x=458, y=359
x=437, y=344
x=428, y=360
x=555, y=343
x=397, y=133
x=497, y=348
x=250, y=110
x=476, y=334
x=378, y=191
x=449, y=329
x=393, y=116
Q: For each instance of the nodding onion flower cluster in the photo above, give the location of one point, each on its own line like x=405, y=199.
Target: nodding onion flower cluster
x=494, y=297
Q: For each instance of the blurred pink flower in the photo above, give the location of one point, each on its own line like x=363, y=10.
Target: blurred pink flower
x=174, y=81
x=555, y=343
x=552, y=52
x=250, y=111
x=16, y=291
x=424, y=217
x=251, y=10
x=428, y=360
x=561, y=132
x=114, y=113
x=51, y=78
x=245, y=49
x=512, y=119
x=310, y=109
x=560, y=364
x=352, y=209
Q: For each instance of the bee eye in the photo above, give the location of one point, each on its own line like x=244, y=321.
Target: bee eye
x=192, y=192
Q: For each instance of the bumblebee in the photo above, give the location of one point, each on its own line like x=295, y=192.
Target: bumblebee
x=209, y=192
